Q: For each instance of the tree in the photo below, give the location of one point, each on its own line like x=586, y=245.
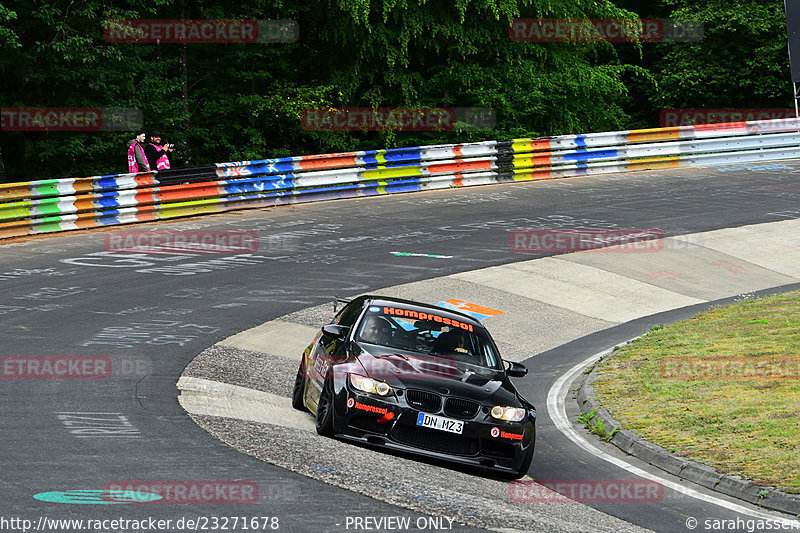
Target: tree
x=223, y=102
x=741, y=61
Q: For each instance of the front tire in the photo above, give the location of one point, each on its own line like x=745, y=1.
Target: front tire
x=526, y=465
x=325, y=409
x=299, y=387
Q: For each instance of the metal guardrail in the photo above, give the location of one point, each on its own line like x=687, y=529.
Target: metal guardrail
x=65, y=204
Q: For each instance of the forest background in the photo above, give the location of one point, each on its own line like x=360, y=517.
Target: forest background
x=220, y=102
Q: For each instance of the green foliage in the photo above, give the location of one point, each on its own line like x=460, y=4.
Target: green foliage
x=8, y=37
x=741, y=61
x=62, y=60
x=224, y=102
x=586, y=418
x=596, y=425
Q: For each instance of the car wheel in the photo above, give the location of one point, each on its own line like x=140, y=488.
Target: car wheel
x=526, y=465
x=299, y=387
x=325, y=409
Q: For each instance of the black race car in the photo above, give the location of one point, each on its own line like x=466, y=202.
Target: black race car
x=417, y=378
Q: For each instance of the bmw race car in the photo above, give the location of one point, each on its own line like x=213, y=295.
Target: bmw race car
x=417, y=378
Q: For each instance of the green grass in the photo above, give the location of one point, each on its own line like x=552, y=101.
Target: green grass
x=595, y=425
x=722, y=388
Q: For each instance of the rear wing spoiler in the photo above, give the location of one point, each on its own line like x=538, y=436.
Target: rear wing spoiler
x=337, y=301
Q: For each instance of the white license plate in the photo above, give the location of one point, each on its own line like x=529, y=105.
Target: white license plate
x=439, y=422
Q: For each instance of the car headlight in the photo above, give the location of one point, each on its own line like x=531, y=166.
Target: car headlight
x=370, y=385
x=512, y=414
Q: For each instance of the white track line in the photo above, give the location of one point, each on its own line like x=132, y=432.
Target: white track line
x=556, y=406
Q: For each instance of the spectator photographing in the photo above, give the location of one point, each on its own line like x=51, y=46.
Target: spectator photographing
x=157, y=154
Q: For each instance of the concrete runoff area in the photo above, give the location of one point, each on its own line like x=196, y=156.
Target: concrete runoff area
x=544, y=302
x=691, y=270
x=583, y=289
x=285, y=339
x=770, y=246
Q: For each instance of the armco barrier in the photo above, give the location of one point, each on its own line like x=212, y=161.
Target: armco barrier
x=65, y=204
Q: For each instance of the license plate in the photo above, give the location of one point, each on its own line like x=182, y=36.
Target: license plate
x=439, y=422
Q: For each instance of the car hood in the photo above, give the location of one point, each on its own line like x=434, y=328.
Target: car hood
x=440, y=375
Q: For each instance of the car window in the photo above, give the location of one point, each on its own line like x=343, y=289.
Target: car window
x=349, y=313
x=434, y=334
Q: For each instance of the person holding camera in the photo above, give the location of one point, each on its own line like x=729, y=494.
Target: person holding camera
x=157, y=155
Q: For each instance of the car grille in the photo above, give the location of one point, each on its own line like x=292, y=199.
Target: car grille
x=432, y=439
x=424, y=401
x=458, y=408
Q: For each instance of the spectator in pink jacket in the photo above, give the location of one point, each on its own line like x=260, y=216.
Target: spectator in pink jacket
x=158, y=155
x=137, y=161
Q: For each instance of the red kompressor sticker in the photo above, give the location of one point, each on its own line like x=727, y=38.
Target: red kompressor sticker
x=419, y=315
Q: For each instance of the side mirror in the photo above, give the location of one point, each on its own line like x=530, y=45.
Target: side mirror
x=335, y=331
x=516, y=370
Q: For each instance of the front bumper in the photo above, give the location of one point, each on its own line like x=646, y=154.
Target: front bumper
x=484, y=442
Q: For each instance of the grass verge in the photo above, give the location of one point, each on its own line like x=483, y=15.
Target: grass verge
x=722, y=388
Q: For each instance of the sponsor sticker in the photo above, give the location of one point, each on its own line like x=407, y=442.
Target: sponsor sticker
x=419, y=315
x=368, y=408
x=510, y=436
x=478, y=312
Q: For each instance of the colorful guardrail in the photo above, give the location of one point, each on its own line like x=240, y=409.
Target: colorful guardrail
x=66, y=204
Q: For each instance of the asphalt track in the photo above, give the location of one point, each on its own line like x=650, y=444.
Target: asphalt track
x=63, y=296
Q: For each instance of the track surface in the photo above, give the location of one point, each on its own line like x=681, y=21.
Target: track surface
x=152, y=314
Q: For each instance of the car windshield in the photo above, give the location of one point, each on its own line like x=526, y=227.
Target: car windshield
x=433, y=334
